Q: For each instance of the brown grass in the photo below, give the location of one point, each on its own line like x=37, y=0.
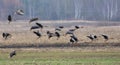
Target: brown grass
x=22, y=36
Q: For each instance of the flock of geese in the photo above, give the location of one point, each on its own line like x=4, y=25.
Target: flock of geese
x=73, y=38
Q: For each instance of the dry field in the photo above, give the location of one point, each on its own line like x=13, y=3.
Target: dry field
x=33, y=51
x=22, y=36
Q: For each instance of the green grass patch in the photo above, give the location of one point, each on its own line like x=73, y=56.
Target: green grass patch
x=60, y=58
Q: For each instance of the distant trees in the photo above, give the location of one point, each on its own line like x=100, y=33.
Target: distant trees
x=63, y=9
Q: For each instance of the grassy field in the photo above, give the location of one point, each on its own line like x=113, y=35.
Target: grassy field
x=21, y=34
x=33, y=51
x=65, y=56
